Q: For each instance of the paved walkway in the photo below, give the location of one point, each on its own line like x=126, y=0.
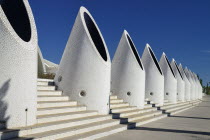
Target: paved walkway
x=193, y=124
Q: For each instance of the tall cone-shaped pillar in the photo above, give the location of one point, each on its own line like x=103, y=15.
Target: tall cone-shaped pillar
x=127, y=74
x=180, y=82
x=201, y=89
x=18, y=61
x=154, y=85
x=170, y=82
x=187, y=83
x=197, y=86
x=192, y=88
x=84, y=72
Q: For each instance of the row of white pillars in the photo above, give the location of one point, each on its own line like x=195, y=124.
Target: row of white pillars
x=84, y=72
x=87, y=75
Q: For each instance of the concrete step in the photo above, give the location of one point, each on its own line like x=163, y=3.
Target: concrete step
x=177, y=108
x=51, y=88
x=52, y=98
x=49, y=93
x=57, y=110
x=196, y=102
x=180, y=110
x=65, y=116
x=143, y=115
x=67, y=132
x=116, y=105
x=183, y=109
x=54, y=126
x=57, y=126
x=98, y=133
x=121, y=109
x=136, y=111
x=149, y=119
x=148, y=106
x=116, y=101
x=168, y=103
x=113, y=97
x=44, y=80
x=45, y=83
x=173, y=105
x=48, y=104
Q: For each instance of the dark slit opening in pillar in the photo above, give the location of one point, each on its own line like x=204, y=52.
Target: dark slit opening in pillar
x=95, y=35
x=155, y=60
x=17, y=15
x=170, y=66
x=134, y=51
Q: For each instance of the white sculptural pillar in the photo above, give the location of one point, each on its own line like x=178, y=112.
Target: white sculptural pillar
x=127, y=73
x=180, y=82
x=187, y=83
x=170, y=82
x=192, y=88
x=196, y=85
x=85, y=69
x=154, y=85
x=199, y=86
x=18, y=62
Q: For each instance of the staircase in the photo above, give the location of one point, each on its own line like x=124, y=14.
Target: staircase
x=131, y=115
x=170, y=108
x=58, y=117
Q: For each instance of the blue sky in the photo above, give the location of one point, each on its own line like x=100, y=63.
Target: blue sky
x=180, y=28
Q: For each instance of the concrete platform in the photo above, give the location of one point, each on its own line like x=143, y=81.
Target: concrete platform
x=192, y=124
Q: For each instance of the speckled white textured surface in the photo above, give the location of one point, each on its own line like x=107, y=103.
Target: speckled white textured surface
x=187, y=83
x=192, y=89
x=170, y=82
x=83, y=69
x=199, y=86
x=18, y=73
x=127, y=75
x=180, y=82
x=154, y=79
x=196, y=85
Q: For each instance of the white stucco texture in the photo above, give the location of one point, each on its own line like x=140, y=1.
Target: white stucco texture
x=127, y=73
x=84, y=73
x=18, y=61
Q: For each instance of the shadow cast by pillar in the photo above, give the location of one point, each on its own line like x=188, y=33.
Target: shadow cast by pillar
x=173, y=130
x=190, y=117
x=3, y=105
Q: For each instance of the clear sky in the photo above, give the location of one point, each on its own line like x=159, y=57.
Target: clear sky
x=180, y=28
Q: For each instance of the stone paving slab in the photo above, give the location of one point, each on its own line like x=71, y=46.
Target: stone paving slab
x=193, y=124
